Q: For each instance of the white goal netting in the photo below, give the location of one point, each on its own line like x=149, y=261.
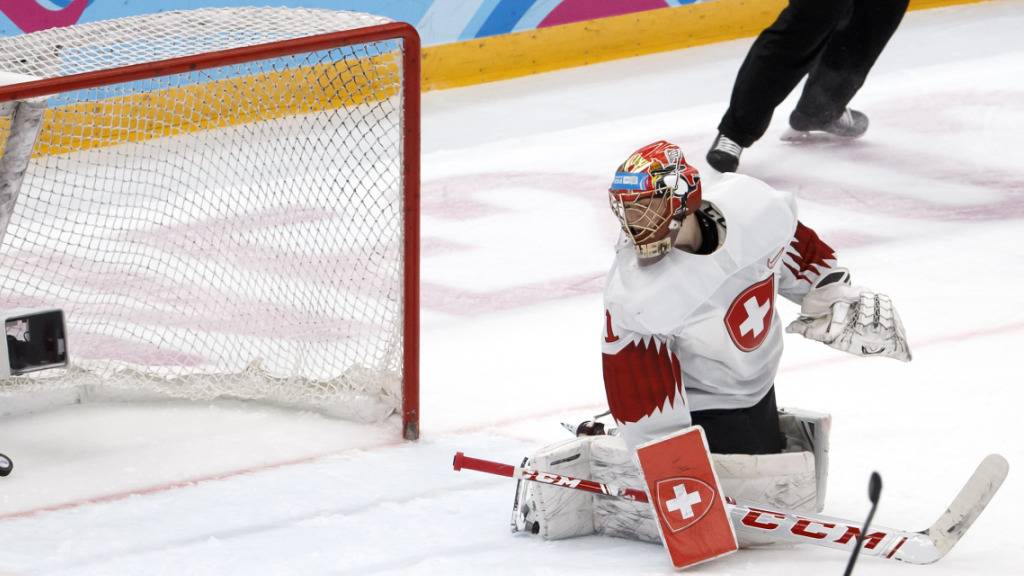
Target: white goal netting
x=235, y=230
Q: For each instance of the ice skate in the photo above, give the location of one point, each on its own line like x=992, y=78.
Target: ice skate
x=850, y=125
x=724, y=155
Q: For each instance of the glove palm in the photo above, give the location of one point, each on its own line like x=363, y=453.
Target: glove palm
x=851, y=319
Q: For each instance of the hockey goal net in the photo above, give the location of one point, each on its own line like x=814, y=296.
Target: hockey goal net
x=225, y=204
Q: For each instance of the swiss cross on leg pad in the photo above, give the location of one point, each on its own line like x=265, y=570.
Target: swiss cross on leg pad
x=687, y=500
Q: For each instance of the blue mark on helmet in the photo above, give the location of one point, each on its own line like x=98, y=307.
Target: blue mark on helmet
x=630, y=181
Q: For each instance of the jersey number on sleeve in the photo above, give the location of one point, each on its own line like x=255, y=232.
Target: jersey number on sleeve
x=609, y=335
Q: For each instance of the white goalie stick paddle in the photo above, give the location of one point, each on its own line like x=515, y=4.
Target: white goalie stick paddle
x=923, y=547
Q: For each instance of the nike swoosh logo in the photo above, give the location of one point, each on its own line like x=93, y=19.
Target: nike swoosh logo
x=774, y=259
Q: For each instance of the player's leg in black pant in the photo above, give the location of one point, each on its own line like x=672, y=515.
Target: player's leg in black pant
x=848, y=55
x=775, y=64
x=753, y=430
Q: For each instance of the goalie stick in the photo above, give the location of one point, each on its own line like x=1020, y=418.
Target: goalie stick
x=922, y=547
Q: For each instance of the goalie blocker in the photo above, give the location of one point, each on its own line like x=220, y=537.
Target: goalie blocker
x=686, y=498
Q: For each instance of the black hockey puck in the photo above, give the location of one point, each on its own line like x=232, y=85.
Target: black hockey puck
x=6, y=465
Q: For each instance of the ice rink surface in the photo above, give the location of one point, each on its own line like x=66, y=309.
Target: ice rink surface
x=928, y=207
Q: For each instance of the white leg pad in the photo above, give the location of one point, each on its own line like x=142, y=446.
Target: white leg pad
x=553, y=512
x=808, y=431
x=794, y=480
x=613, y=464
x=785, y=481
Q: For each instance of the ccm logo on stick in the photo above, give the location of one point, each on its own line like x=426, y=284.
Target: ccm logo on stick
x=807, y=528
x=553, y=479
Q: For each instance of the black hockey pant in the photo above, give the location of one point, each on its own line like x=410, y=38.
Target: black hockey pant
x=753, y=430
x=835, y=41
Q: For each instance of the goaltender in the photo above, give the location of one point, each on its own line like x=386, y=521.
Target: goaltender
x=691, y=336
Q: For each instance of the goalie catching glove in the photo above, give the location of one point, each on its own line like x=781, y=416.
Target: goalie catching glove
x=851, y=319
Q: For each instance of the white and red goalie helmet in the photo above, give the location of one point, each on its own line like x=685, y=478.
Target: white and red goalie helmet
x=651, y=194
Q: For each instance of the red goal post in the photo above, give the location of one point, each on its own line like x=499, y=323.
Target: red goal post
x=332, y=328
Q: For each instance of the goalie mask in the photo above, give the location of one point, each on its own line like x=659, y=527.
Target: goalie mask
x=653, y=191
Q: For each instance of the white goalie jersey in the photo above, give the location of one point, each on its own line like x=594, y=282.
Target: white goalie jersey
x=700, y=332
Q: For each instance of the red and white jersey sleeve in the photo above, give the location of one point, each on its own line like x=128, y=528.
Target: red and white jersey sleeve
x=806, y=259
x=699, y=332
x=643, y=380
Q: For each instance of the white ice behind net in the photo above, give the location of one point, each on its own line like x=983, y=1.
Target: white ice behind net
x=241, y=241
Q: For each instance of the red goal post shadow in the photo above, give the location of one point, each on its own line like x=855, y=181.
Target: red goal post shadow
x=410, y=127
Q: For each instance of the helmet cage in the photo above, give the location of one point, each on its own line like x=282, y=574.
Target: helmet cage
x=646, y=216
x=649, y=203
x=653, y=191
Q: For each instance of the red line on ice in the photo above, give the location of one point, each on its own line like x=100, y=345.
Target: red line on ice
x=186, y=483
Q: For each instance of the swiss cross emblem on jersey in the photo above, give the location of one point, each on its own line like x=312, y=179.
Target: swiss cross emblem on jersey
x=684, y=501
x=750, y=315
